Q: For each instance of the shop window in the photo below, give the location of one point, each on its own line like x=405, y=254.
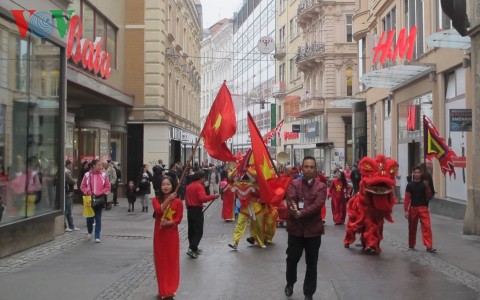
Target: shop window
x=30, y=123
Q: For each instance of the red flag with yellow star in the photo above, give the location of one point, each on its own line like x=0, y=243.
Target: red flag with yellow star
x=271, y=187
x=220, y=125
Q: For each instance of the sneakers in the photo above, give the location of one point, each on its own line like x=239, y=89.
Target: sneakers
x=68, y=229
x=431, y=250
x=192, y=254
x=289, y=290
x=97, y=241
x=233, y=246
x=76, y=229
x=199, y=251
x=89, y=236
x=251, y=240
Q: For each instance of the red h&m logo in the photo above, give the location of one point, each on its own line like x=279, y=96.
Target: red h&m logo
x=41, y=23
x=403, y=49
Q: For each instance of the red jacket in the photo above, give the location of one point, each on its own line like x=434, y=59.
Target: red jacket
x=196, y=195
x=314, y=195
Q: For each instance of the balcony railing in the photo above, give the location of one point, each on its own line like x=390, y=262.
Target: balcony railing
x=311, y=105
x=310, y=50
x=280, y=50
x=305, y=5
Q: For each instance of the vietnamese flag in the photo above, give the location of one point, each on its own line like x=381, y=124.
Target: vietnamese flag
x=220, y=125
x=271, y=187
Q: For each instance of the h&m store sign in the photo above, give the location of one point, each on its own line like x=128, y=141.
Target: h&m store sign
x=403, y=48
x=81, y=51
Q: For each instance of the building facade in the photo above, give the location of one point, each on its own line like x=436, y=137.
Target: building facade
x=253, y=71
x=216, y=67
x=326, y=59
x=163, y=60
x=406, y=74
x=97, y=101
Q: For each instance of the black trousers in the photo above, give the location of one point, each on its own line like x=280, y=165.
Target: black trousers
x=295, y=248
x=114, y=190
x=195, y=226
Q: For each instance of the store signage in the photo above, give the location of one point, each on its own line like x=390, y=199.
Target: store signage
x=41, y=23
x=311, y=130
x=403, y=48
x=290, y=135
x=296, y=128
x=461, y=120
x=86, y=53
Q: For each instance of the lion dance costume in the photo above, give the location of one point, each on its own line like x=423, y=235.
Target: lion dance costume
x=373, y=204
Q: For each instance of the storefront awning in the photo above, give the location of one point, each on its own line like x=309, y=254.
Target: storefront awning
x=345, y=102
x=449, y=39
x=388, y=78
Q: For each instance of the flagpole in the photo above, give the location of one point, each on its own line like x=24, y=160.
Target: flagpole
x=188, y=164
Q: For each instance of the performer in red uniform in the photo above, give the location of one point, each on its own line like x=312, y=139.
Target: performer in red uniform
x=417, y=195
x=323, y=211
x=166, y=245
x=337, y=191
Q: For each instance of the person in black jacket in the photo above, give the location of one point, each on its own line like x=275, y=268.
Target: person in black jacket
x=116, y=183
x=157, y=178
x=143, y=186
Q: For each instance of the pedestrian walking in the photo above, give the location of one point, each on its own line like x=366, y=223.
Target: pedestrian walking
x=131, y=196
x=116, y=167
x=305, y=198
x=398, y=182
x=95, y=183
x=166, y=243
x=143, y=186
x=195, y=197
x=417, y=195
x=112, y=178
x=355, y=176
x=69, y=186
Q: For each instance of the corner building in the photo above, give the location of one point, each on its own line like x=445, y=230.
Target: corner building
x=163, y=59
x=436, y=81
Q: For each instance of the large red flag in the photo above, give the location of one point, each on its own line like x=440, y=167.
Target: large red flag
x=272, y=188
x=435, y=146
x=220, y=125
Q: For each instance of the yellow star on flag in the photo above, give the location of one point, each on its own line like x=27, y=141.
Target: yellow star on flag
x=266, y=168
x=169, y=213
x=218, y=122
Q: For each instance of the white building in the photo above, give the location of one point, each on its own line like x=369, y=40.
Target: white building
x=253, y=72
x=216, y=66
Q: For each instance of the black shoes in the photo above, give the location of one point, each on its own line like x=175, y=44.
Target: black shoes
x=251, y=240
x=431, y=250
x=288, y=290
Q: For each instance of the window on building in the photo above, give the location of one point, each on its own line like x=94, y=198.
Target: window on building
x=349, y=28
x=349, y=75
x=293, y=70
x=281, y=72
x=88, y=19
x=281, y=5
x=362, y=66
x=414, y=17
x=388, y=107
x=293, y=29
x=281, y=35
x=443, y=22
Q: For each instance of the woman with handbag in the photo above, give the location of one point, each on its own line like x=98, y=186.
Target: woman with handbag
x=95, y=184
x=166, y=244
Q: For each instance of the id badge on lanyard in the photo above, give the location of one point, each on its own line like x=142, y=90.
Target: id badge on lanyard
x=301, y=204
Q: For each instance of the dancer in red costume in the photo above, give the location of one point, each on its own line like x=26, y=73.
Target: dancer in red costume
x=338, y=191
x=323, y=211
x=166, y=245
x=228, y=198
x=373, y=204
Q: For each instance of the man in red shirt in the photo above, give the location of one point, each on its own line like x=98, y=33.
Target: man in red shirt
x=196, y=196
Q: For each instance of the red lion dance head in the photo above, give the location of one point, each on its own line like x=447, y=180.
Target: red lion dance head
x=373, y=204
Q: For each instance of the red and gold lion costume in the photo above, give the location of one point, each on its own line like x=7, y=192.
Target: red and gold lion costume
x=373, y=203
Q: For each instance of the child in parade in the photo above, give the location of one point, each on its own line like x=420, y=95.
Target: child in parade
x=131, y=196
